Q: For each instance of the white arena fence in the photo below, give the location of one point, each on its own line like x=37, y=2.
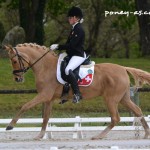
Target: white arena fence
x=76, y=125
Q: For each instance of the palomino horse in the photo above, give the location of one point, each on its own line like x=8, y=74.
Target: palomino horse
x=110, y=81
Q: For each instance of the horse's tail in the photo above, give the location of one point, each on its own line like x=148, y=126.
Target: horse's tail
x=140, y=77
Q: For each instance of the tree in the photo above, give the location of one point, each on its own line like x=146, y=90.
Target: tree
x=57, y=22
x=144, y=25
x=123, y=25
x=100, y=42
x=31, y=16
x=31, y=19
x=2, y=32
x=95, y=18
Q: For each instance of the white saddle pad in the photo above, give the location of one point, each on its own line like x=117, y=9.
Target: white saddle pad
x=86, y=72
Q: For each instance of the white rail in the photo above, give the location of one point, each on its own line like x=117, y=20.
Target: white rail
x=76, y=125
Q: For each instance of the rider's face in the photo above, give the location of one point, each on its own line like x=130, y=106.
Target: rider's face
x=73, y=20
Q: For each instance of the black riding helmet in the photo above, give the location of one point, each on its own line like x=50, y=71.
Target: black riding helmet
x=75, y=11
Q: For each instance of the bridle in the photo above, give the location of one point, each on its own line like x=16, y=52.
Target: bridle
x=24, y=69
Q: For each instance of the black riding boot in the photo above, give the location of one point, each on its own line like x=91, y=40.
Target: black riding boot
x=73, y=81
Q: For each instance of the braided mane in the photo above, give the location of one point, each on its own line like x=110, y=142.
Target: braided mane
x=32, y=45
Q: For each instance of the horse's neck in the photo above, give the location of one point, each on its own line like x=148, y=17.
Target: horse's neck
x=45, y=72
x=40, y=61
x=45, y=65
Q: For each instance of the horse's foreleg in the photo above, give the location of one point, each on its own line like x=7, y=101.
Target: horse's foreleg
x=115, y=118
x=46, y=114
x=37, y=100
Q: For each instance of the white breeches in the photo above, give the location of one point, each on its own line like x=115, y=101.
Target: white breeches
x=74, y=62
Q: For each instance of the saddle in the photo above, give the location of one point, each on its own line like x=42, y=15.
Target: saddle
x=84, y=73
x=76, y=71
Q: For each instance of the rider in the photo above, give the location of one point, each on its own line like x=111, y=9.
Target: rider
x=74, y=48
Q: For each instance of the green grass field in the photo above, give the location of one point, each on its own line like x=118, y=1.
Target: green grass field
x=11, y=103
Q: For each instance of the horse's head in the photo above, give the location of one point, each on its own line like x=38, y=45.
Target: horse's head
x=19, y=63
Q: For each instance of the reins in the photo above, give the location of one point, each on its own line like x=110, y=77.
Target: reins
x=23, y=69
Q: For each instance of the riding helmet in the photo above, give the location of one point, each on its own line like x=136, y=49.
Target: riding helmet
x=75, y=11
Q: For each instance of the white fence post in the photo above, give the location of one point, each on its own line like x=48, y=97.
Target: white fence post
x=76, y=126
x=50, y=133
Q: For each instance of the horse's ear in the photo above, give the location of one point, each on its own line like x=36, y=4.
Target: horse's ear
x=5, y=47
x=8, y=48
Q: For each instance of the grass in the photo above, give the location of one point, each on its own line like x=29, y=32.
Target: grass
x=11, y=103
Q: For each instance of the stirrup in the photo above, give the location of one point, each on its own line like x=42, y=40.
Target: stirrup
x=76, y=98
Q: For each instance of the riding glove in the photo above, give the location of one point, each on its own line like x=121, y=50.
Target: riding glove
x=54, y=47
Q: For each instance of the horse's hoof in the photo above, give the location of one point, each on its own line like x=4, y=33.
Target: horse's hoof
x=9, y=128
x=97, y=137
x=94, y=138
x=37, y=138
x=146, y=136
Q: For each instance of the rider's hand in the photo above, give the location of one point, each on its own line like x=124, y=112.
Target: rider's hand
x=53, y=47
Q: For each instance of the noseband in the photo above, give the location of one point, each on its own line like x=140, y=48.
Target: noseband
x=24, y=69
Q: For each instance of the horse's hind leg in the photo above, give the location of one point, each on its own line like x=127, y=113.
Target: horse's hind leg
x=115, y=118
x=126, y=101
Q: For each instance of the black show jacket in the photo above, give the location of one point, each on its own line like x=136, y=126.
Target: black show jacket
x=75, y=42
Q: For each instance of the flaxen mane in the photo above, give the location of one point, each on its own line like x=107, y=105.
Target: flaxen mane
x=32, y=45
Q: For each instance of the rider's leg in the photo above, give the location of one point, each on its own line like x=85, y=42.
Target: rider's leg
x=74, y=62
x=74, y=85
